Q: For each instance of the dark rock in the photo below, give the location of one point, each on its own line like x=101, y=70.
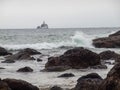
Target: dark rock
x=112, y=81
x=76, y=58
x=25, y=69
x=4, y=52
x=107, y=55
x=113, y=41
x=99, y=67
x=2, y=68
x=56, y=88
x=67, y=75
x=39, y=60
x=23, y=55
x=88, y=82
x=56, y=68
x=107, y=62
x=31, y=58
x=4, y=86
x=8, y=61
x=30, y=51
x=115, y=34
x=15, y=84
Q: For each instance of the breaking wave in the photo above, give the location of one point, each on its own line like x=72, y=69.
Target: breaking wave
x=76, y=40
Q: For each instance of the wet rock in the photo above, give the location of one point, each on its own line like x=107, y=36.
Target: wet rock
x=107, y=62
x=25, y=69
x=31, y=58
x=8, y=61
x=39, y=60
x=4, y=86
x=112, y=81
x=23, y=55
x=4, y=52
x=99, y=67
x=30, y=51
x=56, y=68
x=115, y=34
x=109, y=55
x=2, y=68
x=15, y=84
x=56, y=88
x=112, y=41
x=89, y=82
x=67, y=75
x=76, y=58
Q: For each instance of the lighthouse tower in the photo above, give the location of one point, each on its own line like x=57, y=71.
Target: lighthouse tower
x=44, y=25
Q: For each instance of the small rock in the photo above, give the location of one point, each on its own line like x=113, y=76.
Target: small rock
x=67, y=75
x=56, y=88
x=39, y=60
x=2, y=68
x=56, y=68
x=25, y=69
x=8, y=61
x=99, y=67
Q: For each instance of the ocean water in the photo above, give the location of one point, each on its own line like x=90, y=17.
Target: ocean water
x=50, y=42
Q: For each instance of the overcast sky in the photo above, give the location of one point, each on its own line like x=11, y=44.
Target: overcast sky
x=59, y=13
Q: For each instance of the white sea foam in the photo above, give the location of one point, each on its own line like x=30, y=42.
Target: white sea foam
x=78, y=39
x=82, y=39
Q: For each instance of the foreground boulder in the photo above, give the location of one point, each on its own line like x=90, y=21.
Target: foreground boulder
x=23, y=55
x=4, y=52
x=110, y=55
x=88, y=82
x=4, y=86
x=15, y=84
x=76, y=58
x=25, y=69
x=112, y=82
x=112, y=41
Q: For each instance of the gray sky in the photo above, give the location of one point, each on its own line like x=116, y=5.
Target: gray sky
x=59, y=13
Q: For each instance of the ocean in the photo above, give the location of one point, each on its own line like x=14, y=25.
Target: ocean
x=50, y=42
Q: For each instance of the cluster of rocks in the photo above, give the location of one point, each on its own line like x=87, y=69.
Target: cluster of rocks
x=76, y=58
x=25, y=54
x=112, y=41
x=94, y=82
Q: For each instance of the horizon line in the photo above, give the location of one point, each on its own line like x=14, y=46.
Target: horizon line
x=62, y=28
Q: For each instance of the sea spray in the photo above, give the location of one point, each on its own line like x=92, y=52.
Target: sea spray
x=78, y=39
x=82, y=39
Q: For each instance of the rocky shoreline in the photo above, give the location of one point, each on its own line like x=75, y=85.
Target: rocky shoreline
x=75, y=58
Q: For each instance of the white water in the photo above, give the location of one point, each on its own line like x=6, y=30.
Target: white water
x=77, y=39
x=49, y=41
x=46, y=79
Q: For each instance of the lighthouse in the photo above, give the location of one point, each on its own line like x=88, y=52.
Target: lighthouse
x=43, y=26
